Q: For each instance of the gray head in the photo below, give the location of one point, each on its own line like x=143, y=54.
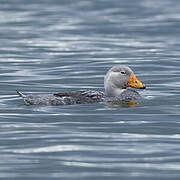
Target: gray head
x=119, y=78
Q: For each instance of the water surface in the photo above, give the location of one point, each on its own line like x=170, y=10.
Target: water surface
x=56, y=46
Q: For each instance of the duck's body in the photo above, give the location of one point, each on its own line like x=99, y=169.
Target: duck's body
x=117, y=79
x=66, y=98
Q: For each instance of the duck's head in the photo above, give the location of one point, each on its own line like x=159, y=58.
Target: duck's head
x=119, y=78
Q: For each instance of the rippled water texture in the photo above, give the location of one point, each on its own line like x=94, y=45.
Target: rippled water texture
x=55, y=46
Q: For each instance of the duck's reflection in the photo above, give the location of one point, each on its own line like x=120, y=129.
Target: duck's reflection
x=122, y=104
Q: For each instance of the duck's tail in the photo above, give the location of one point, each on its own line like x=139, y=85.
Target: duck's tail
x=20, y=94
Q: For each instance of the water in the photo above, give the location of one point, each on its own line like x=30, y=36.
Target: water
x=56, y=46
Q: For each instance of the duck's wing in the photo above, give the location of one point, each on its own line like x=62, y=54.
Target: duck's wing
x=81, y=97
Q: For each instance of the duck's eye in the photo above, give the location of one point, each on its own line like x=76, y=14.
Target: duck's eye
x=122, y=72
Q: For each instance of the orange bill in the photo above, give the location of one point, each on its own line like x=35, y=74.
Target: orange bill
x=135, y=83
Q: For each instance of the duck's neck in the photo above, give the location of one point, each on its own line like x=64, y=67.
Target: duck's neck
x=112, y=91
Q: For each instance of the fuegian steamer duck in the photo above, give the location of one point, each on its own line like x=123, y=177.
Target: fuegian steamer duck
x=116, y=83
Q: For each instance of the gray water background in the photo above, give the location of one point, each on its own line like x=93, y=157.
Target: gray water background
x=55, y=46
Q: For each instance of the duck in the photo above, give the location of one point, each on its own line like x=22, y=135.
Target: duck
x=118, y=83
